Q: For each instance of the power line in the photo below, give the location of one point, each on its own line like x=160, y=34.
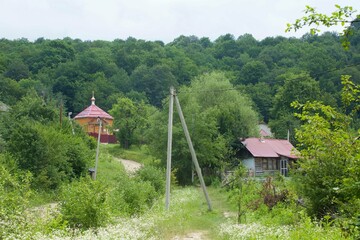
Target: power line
x=158, y=109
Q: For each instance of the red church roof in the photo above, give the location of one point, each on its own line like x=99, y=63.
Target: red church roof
x=93, y=111
x=270, y=147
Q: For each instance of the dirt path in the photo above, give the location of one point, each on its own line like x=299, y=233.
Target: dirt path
x=130, y=165
x=191, y=236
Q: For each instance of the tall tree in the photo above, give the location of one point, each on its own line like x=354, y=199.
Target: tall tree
x=217, y=115
x=263, y=96
x=154, y=82
x=330, y=150
x=130, y=119
x=297, y=87
x=252, y=72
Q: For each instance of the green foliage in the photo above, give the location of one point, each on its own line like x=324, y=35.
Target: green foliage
x=342, y=16
x=51, y=55
x=329, y=157
x=133, y=196
x=153, y=81
x=52, y=156
x=285, y=220
x=129, y=195
x=237, y=183
x=271, y=201
x=215, y=119
x=262, y=95
x=14, y=197
x=138, y=201
x=51, y=153
x=130, y=120
x=33, y=107
x=84, y=204
x=154, y=175
x=10, y=91
x=17, y=70
x=253, y=72
x=297, y=87
x=70, y=69
x=350, y=95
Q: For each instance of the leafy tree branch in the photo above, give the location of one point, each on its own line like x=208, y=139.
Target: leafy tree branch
x=344, y=16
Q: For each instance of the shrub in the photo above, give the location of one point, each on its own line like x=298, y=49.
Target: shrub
x=84, y=204
x=154, y=175
x=15, y=192
x=53, y=157
x=138, y=196
x=31, y=134
x=133, y=196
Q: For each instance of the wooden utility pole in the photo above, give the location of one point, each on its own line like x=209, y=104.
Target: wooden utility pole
x=192, y=151
x=169, y=148
x=61, y=110
x=71, y=124
x=97, y=149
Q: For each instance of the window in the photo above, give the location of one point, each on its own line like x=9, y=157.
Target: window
x=264, y=164
x=258, y=167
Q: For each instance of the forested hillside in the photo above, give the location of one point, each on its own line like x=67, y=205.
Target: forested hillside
x=309, y=87
x=273, y=72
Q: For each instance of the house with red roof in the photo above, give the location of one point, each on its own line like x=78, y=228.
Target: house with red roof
x=268, y=156
x=90, y=118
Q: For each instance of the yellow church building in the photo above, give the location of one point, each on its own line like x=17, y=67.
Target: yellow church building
x=90, y=118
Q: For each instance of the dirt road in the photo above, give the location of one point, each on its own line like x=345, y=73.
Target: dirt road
x=130, y=165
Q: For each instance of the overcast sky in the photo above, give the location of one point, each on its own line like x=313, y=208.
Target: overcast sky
x=162, y=20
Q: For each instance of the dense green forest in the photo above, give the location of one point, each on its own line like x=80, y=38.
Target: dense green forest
x=273, y=72
x=227, y=87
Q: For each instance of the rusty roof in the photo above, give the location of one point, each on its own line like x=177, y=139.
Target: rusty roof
x=270, y=148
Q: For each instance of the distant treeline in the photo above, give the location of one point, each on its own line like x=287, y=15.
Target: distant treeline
x=273, y=72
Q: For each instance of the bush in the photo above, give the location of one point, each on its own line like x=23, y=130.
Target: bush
x=84, y=204
x=138, y=196
x=154, y=175
x=15, y=193
x=30, y=132
x=53, y=157
x=132, y=196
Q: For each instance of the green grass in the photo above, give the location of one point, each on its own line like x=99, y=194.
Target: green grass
x=108, y=168
x=193, y=216
x=139, y=154
x=42, y=197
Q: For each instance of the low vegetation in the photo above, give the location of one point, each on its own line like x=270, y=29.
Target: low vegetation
x=118, y=205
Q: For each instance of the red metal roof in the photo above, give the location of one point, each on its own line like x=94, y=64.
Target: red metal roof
x=270, y=148
x=93, y=111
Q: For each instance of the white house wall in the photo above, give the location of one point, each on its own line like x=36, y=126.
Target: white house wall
x=249, y=163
